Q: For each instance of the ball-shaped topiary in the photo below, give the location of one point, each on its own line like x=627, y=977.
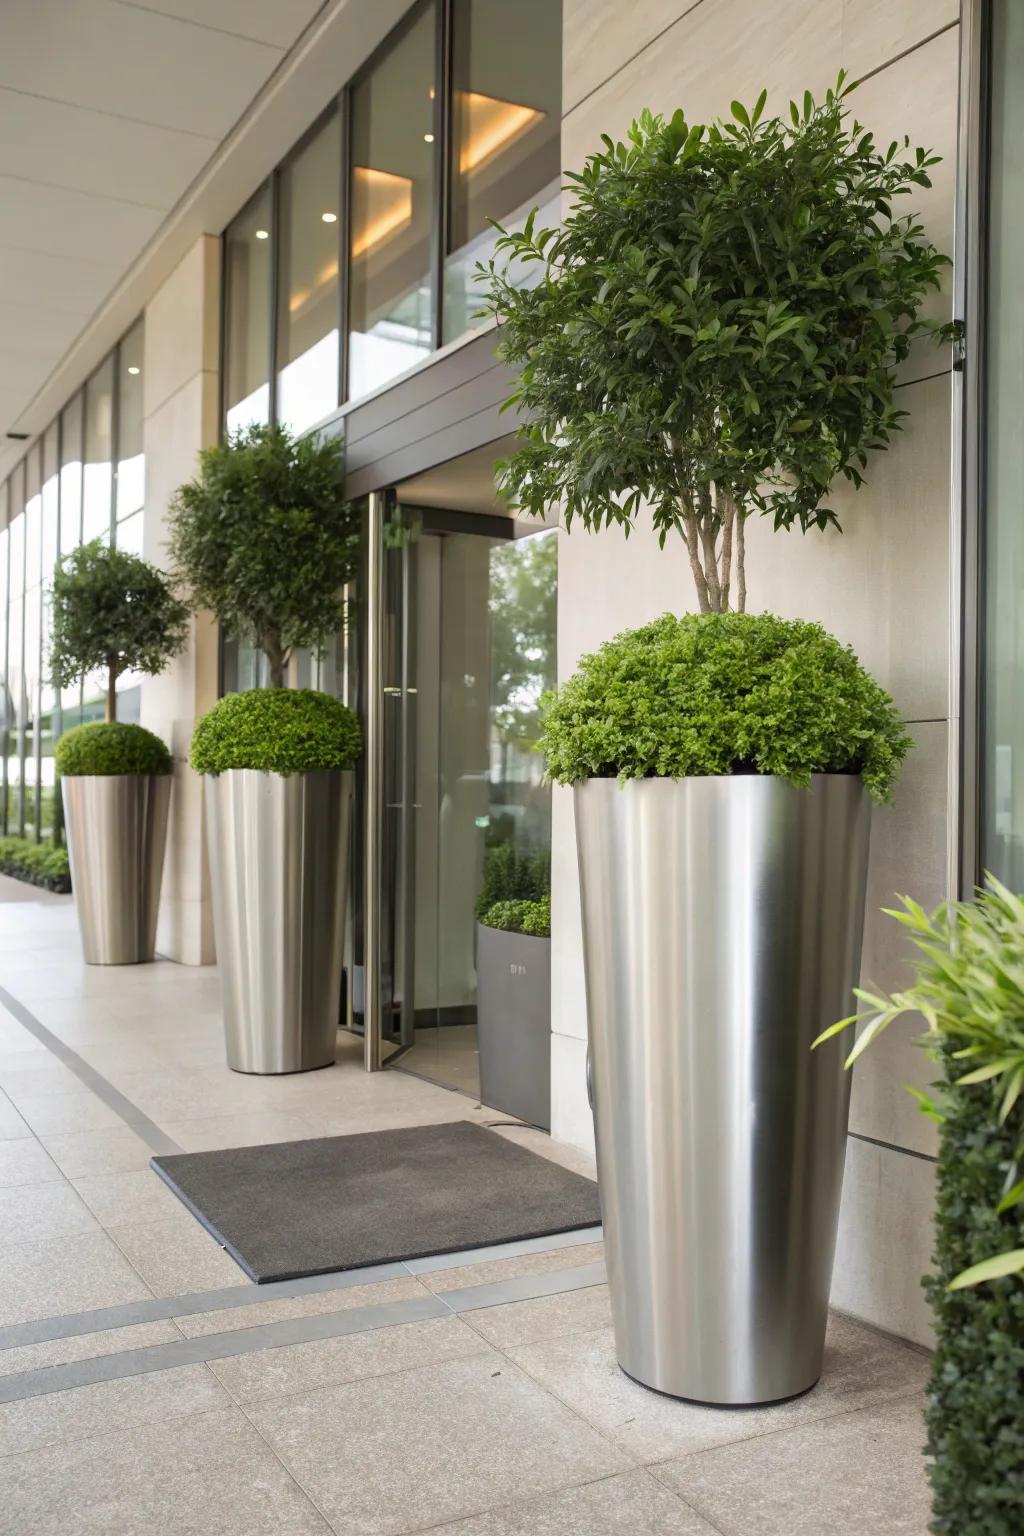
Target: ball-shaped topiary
x=721, y=694
x=109, y=747
x=276, y=730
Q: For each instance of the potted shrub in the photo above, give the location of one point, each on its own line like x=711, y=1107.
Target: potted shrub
x=716, y=336
x=970, y=989
x=116, y=612
x=513, y=971
x=264, y=539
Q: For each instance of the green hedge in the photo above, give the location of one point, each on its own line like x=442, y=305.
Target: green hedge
x=276, y=730
x=38, y=863
x=109, y=747
x=720, y=694
x=512, y=876
x=530, y=917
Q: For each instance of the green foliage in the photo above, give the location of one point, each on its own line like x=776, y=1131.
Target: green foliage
x=276, y=730
x=264, y=538
x=109, y=747
x=529, y=917
x=723, y=693
x=512, y=876
x=521, y=604
x=42, y=864
x=114, y=611
x=970, y=989
x=717, y=326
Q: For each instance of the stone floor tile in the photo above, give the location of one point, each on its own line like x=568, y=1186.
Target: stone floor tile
x=210, y=1474
x=861, y=1367
x=26, y=1162
x=108, y=1405
x=315, y=1304
x=35, y=1212
x=175, y=1255
x=631, y=1504
x=85, y=1346
x=543, y=1317
x=414, y=1449
x=294, y=1368
x=81, y=1154
x=213, y=1132
x=66, y=1274
x=35, y=1079
x=54, y=1113
x=120, y=1199
x=485, y=1271
x=861, y=1474
x=12, y=1126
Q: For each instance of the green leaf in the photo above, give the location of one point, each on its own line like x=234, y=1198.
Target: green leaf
x=1012, y=1197
x=996, y=1268
x=739, y=112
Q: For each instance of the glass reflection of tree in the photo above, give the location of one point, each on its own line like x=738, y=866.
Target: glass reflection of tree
x=522, y=610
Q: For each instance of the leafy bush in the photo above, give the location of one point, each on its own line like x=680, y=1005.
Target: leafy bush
x=718, y=327
x=109, y=747
x=723, y=693
x=42, y=864
x=276, y=730
x=265, y=539
x=510, y=875
x=970, y=989
x=113, y=611
x=529, y=917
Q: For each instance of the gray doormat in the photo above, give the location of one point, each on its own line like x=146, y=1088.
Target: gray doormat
x=341, y=1202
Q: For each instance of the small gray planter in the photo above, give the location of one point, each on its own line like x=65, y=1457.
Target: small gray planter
x=514, y=1023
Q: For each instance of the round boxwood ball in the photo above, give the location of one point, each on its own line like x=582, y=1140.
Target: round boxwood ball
x=276, y=730
x=110, y=747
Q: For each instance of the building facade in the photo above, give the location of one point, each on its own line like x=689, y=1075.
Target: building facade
x=318, y=273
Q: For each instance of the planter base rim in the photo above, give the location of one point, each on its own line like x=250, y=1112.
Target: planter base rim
x=715, y=1402
x=320, y=1066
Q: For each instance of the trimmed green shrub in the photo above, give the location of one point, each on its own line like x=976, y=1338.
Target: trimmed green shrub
x=723, y=693
x=530, y=917
x=970, y=989
x=276, y=730
x=109, y=747
x=43, y=864
x=510, y=875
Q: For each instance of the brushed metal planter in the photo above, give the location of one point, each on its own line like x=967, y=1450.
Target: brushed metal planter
x=117, y=830
x=722, y=923
x=278, y=867
x=513, y=1023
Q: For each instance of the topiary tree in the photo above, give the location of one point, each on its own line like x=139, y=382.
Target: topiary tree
x=113, y=611
x=717, y=328
x=264, y=537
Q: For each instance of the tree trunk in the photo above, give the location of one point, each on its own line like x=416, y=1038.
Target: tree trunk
x=715, y=544
x=111, y=708
x=277, y=657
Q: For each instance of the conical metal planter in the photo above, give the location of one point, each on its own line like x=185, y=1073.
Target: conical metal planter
x=117, y=830
x=722, y=923
x=278, y=851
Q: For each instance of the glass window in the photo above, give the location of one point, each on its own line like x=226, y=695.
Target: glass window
x=71, y=475
x=33, y=521
x=131, y=462
x=392, y=206
x=129, y=534
x=506, y=134
x=307, y=316
x=96, y=485
x=51, y=500
x=248, y=247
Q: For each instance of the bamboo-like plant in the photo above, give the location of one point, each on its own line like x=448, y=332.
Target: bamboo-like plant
x=716, y=329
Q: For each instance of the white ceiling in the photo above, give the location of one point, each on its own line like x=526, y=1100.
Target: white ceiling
x=109, y=110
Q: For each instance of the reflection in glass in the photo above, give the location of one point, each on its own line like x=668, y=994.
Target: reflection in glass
x=96, y=482
x=307, y=316
x=248, y=244
x=131, y=462
x=392, y=203
x=506, y=134
x=71, y=475
x=129, y=534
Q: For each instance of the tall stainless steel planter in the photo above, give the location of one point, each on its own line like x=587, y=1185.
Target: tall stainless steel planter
x=278, y=866
x=117, y=831
x=722, y=924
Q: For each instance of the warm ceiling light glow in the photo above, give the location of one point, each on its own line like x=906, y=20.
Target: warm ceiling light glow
x=329, y=218
x=383, y=207
x=428, y=138
x=324, y=278
x=133, y=370
x=489, y=126
x=263, y=234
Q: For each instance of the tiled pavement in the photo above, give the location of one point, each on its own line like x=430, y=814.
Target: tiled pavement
x=147, y=1387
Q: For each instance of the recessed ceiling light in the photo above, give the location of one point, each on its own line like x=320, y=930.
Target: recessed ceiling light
x=133, y=370
x=329, y=218
x=428, y=138
x=18, y=437
x=263, y=234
